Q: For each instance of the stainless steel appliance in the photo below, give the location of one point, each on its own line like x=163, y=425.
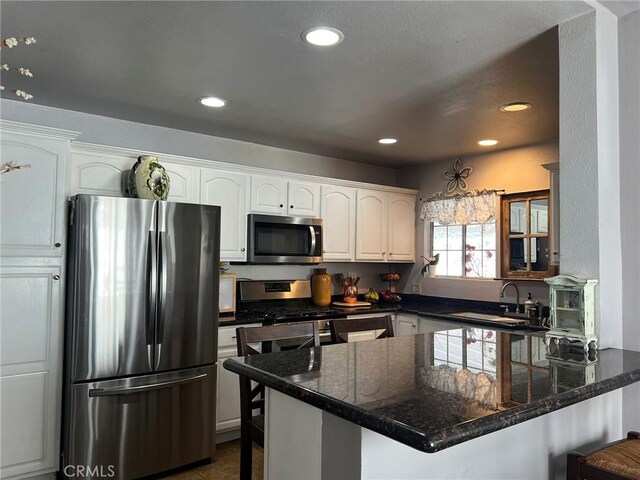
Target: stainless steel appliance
x=283, y=301
x=141, y=335
x=275, y=239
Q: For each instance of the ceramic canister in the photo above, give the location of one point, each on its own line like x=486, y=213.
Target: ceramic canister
x=148, y=179
x=321, y=287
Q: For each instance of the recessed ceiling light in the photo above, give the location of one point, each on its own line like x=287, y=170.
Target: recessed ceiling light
x=488, y=143
x=388, y=141
x=323, y=36
x=515, y=107
x=212, y=102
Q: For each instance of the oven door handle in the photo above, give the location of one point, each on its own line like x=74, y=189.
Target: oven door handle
x=312, y=231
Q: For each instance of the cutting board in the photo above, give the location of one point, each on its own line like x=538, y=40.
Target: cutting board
x=351, y=305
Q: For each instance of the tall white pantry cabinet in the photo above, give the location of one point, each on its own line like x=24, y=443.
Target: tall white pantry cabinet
x=32, y=259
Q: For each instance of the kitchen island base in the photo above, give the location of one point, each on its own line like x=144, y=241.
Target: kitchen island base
x=303, y=441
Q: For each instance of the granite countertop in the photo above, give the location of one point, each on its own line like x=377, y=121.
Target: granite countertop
x=435, y=390
x=433, y=307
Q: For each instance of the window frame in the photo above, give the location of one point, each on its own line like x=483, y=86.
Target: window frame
x=505, y=235
x=463, y=252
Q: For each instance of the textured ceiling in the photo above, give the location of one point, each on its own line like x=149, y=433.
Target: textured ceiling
x=432, y=74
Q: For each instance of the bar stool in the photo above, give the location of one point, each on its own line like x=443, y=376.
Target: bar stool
x=617, y=460
x=341, y=328
x=303, y=334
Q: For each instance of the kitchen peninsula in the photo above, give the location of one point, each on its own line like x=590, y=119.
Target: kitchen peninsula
x=455, y=402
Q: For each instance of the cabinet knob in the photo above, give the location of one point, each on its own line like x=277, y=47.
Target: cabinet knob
x=58, y=244
x=242, y=249
x=281, y=205
x=555, y=252
x=384, y=253
x=290, y=206
x=56, y=277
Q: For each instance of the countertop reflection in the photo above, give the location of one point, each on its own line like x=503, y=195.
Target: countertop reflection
x=437, y=389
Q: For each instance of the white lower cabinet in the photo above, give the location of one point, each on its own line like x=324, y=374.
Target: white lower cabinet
x=228, y=389
x=30, y=377
x=406, y=324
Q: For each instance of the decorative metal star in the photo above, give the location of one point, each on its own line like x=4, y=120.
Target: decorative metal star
x=456, y=177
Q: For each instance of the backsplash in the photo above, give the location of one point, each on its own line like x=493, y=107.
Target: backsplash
x=369, y=273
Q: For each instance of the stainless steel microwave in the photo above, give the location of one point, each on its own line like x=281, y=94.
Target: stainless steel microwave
x=276, y=239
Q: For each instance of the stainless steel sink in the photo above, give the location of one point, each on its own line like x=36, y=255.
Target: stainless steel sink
x=488, y=317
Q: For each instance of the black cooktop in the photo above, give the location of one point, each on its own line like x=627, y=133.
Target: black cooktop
x=288, y=311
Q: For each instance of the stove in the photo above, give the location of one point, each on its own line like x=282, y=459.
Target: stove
x=283, y=301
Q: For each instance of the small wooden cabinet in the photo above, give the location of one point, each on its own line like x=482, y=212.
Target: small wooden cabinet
x=573, y=310
x=278, y=196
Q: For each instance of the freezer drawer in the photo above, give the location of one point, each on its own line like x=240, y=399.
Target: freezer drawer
x=142, y=425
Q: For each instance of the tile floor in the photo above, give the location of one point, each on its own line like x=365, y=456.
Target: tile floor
x=226, y=466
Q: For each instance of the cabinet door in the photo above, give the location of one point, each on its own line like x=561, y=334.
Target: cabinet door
x=401, y=227
x=184, y=182
x=98, y=173
x=30, y=358
x=228, y=400
x=338, y=210
x=268, y=195
x=32, y=202
x=406, y=325
x=303, y=199
x=229, y=191
x=371, y=226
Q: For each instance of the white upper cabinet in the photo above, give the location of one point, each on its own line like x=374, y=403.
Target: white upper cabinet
x=277, y=196
x=303, y=199
x=401, y=227
x=184, y=182
x=103, y=172
x=371, y=225
x=338, y=210
x=32, y=200
x=98, y=173
x=268, y=195
x=229, y=191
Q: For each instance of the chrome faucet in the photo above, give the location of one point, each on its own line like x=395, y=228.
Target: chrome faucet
x=504, y=287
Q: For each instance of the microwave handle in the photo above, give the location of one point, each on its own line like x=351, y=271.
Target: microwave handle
x=313, y=239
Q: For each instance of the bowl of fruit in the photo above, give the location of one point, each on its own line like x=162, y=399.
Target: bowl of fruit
x=389, y=296
x=389, y=277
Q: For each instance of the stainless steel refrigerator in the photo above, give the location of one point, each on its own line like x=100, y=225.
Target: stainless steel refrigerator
x=141, y=336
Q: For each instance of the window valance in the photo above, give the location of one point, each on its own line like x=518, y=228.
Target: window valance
x=476, y=206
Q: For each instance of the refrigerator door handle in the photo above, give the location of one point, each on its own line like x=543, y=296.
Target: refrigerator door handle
x=152, y=295
x=107, y=392
x=162, y=294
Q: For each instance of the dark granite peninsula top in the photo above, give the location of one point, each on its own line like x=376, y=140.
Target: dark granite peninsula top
x=435, y=390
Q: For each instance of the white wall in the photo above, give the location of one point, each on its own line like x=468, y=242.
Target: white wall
x=121, y=133
x=514, y=170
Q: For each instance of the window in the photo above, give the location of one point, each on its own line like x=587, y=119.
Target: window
x=465, y=250
x=525, y=235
